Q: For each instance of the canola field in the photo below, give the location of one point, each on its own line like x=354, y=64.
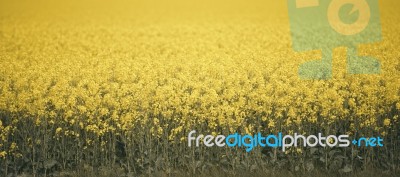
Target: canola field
x=122, y=83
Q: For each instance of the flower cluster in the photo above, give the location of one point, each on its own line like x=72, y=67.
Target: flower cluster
x=90, y=86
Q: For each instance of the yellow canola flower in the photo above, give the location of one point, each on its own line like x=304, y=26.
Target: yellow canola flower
x=386, y=122
x=3, y=154
x=93, y=80
x=58, y=130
